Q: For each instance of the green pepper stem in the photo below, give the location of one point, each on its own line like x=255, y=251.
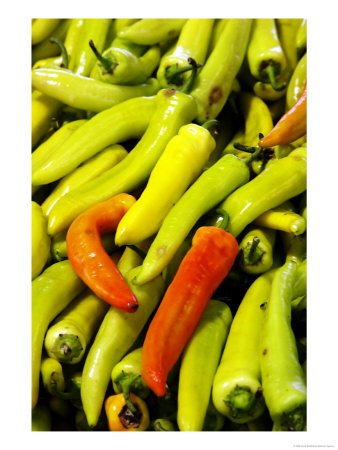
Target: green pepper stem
x=106, y=63
x=187, y=86
x=271, y=70
x=252, y=253
x=212, y=126
x=126, y=394
x=64, y=54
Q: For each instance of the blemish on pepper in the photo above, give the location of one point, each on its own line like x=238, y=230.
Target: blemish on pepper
x=90, y=232
x=215, y=95
x=265, y=351
x=169, y=92
x=161, y=250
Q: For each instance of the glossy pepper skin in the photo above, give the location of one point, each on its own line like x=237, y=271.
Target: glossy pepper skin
x=68, y=337
x=44, y=109
x=214, y=82
x=121, y=419
x=264, y=50
x=127, y=120
x=179, y=165
x=283, y=180
x=42, y=28
x=47, y=49
x=256, y=250
x=283, y=379
x=41, y=242
x=297, y=83
x=203, y=268
x=117, y=333
x=210, y=188
x=290, y=127
x=237, y=389
x=199, y=363
x=86, y=93
x=283, y=219
x=88, y=257
x=173, y=109
x=90, y=169
x=152, y=31
x=126, y=63
x=84, y=59
x=192, y=42
x=52, y=291
x=45, y=150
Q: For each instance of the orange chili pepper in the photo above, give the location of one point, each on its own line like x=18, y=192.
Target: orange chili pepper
x=290, y=127
x=88, y=257
x=201, y=271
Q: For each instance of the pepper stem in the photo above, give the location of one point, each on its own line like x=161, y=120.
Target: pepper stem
x=64, y=54
x=173, y=72
x=212, y=126
x=106, y=63
x=252, y=253
x=270, y=71
x=187, y=86
x=243, y=402
x=126, y=394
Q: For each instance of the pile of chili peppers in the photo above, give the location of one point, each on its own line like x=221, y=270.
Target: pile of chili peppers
x=169, y=224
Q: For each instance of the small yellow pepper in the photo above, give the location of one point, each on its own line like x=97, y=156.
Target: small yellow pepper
x=122, y=418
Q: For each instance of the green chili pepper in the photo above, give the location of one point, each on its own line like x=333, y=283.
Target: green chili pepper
x=121, y=64
x=41, y=418
x=117, y=333
x=299, y=289
x=297, y=83
x=47, y=148
x=218, y=27
x=47, y=49
x=214, y=82
x=68, y=337
x=287, y=31
x=256, y=250
x=199, y=363
x=86, y=93
x=284, y=179
x=301, y=38
x=266, y=57
x=122, y=23
x=193, y=42
x=93, y=167
x=44, y=110
x=126, y=375
x=237, y=390
x=81, y=423
x=282, y=375
x=84, y=59
x=173, y=109
x=152, y=31
x=124, y=121
x=294, y=246
x=52, y=291
x=52, y=375
x=212, y=186
x=42, y=29
x=163, y=425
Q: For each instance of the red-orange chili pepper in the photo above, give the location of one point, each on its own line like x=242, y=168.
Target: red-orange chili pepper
x=88, y=257
x=290, y=127
x=201, y=271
